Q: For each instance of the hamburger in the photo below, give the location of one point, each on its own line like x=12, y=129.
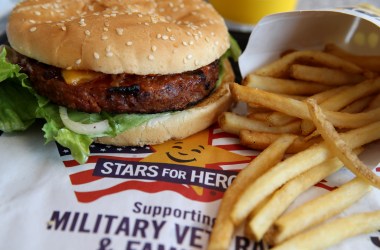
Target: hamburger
x=122, y=73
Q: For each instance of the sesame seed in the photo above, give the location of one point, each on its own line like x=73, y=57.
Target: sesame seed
x=87, y=32
x=37, y=13
x=196, y=62
x=151, y=57
x=154, y=48
x=105, y=29
x=108, y=48
x=119, y=31
x=82, y=23
x=63, y=28
x=168, y=29
x=165, y=37
x=189, y=56
x=33, y=29
x=185, y=43
x=154, y=19
x=104, y=37
x=159, y=36
x=32, y=21
x=172, y=38
x=78, y=61
x=109, y=54
x=96, y=55
x=129, y=43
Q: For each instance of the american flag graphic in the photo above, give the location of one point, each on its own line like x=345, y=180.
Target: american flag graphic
x=89, y=186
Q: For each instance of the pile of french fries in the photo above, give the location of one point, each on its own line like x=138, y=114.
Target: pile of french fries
x=320, y=108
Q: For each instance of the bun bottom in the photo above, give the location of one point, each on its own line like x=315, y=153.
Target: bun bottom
x=180, y=124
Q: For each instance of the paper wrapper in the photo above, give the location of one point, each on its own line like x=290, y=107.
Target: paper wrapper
x=165, y=196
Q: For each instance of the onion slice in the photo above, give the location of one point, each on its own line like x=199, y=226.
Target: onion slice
x=80, y=128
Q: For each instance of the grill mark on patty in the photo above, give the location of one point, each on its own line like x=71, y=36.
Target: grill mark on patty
x=125, y=90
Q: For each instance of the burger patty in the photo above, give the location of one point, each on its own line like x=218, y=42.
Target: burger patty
x=122, y=93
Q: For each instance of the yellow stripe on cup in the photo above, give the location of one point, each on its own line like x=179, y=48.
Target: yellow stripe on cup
x=251, y=11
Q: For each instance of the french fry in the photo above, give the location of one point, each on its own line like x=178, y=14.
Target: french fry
x=233, y=123
x=293, y=166
x=375, y=103
x=322, y=96
x=279, y=119
x=261, y=140
x=280, y=68
x=224, y=228
x=324, y=76
x=339, y=147
x=322, y=208
x=351, y=94
x=262, y=116
x=299, y=109
x=366, y=62
x=356, y=120
x=270, y=100
x=358, y=105
x=282, y=198
x=334, y=232
x=283, y=86
x=344, y=98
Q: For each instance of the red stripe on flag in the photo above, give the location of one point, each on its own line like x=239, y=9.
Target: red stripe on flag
x=83, y=177
x=224, y=135
x=325, y=186
x=186, y=191
x=232, y=147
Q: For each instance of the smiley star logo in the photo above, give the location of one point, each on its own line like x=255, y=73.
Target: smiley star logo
x=184, y=157
x=194, y=151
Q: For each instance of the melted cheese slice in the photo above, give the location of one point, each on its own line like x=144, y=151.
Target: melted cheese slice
x=75, y=77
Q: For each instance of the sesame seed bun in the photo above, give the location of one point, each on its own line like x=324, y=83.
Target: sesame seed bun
x=113, y=37
x=180, y=124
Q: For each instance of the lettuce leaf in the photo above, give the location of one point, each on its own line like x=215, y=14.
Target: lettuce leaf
x=79, y=144
x=17, y=106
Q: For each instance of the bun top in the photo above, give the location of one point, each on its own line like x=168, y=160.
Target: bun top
x=119, y=36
